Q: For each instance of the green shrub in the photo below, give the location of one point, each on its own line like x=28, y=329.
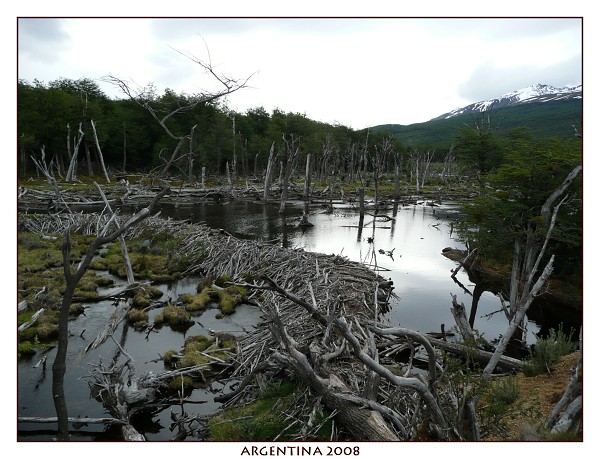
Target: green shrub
x=547, y=352
x=505, y=391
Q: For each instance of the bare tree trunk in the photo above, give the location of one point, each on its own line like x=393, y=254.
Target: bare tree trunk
x=234, y=159
x=448, y=161
x=88, y=159
x=290, y=153
x=361, y=210
x=191, y=157
x=202, y=183
x=418, y=190
x=307, y=179
x=268, y=173
x=23, y=156
x=99, y=152
x=428, y=157
x=397, y=192
x=127, y=260
x=72, y=279
x=228, y=174
x=124, y=147
x=72, y=171
x=173, y=157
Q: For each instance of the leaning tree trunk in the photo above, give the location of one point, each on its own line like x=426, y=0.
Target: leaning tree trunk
x=268, y=173
x=72, y=171
x=307, y=179
x=99, y=152
x=173, y=157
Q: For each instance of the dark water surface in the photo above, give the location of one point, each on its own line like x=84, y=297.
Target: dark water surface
x=415, y=236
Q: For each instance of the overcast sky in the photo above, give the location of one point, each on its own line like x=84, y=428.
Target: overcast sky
x=356, y=72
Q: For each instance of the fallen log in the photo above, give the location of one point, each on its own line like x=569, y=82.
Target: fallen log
x=482, y=357
x=32, y=321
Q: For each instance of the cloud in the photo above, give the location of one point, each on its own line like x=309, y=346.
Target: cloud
x=42, y=39
x=489, y=80
x=500, y=29
x=180, y=28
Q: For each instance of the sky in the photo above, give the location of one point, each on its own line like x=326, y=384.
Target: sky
x=357, y=72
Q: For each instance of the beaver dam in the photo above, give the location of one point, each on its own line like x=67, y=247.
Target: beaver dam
x=321, y=355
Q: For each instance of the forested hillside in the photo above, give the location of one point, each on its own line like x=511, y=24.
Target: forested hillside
x=51, y=115
x=552, y=119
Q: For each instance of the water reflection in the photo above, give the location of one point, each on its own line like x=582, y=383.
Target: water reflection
x=414, y=234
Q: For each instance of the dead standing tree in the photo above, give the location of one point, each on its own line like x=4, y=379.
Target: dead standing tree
x=144, y=98
x=525, y=286
x=420, y=166
x=383, y=151
x=526, y=260
x=72, y=278
x=290, y=152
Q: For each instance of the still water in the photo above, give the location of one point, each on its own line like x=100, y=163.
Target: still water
x=413, y=235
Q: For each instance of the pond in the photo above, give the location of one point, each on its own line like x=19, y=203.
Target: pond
x=411, y=239
x=416, y=234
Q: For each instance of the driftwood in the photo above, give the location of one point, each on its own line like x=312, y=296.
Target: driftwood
x=569, y=399
x=458, y=311
x=482, y=357
x=114, y=320
x=32, y=321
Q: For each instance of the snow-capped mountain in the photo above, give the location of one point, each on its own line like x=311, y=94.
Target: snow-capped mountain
x=534, y=93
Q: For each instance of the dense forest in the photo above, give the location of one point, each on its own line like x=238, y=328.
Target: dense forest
x=51, y=115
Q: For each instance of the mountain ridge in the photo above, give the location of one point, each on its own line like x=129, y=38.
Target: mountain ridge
x=546, y=111
x=536, y=92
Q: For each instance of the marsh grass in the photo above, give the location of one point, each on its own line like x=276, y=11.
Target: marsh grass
x=265, y=418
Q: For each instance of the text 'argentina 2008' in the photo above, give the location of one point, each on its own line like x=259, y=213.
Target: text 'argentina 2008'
x=300, y=451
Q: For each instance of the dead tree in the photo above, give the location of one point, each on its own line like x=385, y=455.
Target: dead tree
x=99, y=152
x=191, y=155
x=571, y=401
x=72, y=278
x=526, y=287
x=362, y=415
x=526, y=260
x=382, y=152
x=398, y=163
x=72, y=171
x=269, y=173
x=307, y=178
x=144, y=98
x=420, y=166
x=448, y=163
x=290, y=152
